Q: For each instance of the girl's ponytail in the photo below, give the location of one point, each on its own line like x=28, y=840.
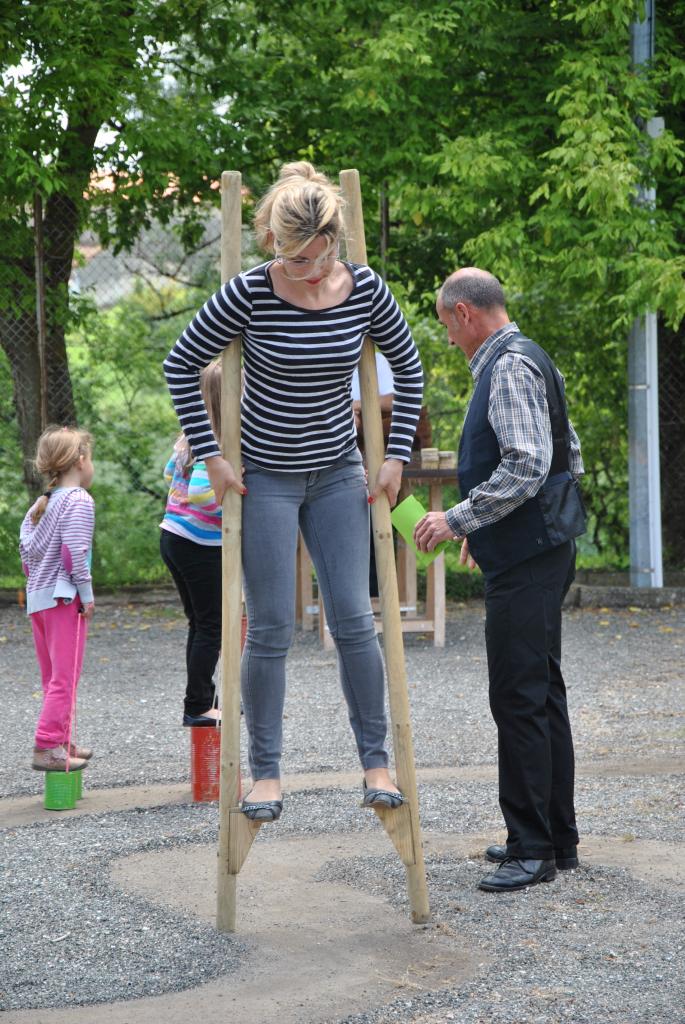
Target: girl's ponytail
x=39, y=507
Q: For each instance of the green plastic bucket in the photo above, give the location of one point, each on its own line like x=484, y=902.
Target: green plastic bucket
x=60, y=791
x=404, y=518
x=77, y=782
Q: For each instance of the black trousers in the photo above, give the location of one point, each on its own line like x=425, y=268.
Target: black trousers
x=196, y=570
x=528, y=702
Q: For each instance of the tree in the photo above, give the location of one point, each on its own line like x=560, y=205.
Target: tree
x=506, y=133
x=510, y=135
x=87, y=101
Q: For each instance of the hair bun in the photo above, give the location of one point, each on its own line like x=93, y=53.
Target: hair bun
x=301, y=169
x=302, y=205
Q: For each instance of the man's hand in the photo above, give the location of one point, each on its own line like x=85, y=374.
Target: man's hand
x=430, y=530
x=464, y=557
x=389, y=479
x=222, y=477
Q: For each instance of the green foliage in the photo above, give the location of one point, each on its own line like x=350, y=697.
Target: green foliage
x=126, y=547
x=115, y=359
x=505, y=133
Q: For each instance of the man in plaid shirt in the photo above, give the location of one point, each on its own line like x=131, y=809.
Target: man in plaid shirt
x=519, y=460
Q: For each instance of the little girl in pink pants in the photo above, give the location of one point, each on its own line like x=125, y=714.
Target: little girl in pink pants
x=56, y=540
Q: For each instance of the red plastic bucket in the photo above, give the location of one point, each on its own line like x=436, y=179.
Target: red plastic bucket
x=205, y=759
x=205, y=753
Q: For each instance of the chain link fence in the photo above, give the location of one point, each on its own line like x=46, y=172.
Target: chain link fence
x=672, y=443
x=83, y=332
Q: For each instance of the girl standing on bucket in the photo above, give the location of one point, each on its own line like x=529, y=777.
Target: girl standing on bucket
x=190, y=546
x=56, y=540
x=303, y=316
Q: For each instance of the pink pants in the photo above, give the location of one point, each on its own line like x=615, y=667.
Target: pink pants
x=60, y=659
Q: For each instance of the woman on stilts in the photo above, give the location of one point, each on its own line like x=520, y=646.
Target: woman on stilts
x=303, y=316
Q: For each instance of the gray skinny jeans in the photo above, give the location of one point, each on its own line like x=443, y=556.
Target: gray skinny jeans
x=331, y=509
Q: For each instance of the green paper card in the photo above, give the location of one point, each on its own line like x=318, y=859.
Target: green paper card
x=404, y=518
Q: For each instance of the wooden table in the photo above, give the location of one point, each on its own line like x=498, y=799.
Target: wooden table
x=433, y=619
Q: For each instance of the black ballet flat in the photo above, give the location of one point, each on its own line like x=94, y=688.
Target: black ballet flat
x=193, y=721
x=381, y=798
x=262, y=810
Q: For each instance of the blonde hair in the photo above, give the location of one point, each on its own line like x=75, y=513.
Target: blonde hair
x=301, y=206
x=210, y=388
x=58, y=449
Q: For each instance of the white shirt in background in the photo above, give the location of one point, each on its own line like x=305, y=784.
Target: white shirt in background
x=385, y=381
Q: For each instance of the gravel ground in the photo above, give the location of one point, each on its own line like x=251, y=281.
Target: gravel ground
x=580, y=952
x=71, y=937
x=595, y=946
x=624, y=671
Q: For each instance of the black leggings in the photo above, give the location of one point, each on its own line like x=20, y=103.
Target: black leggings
x=196, y=569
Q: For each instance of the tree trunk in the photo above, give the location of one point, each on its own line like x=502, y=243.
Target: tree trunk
x=63, y=219
x=384, y=210
x=19, y=339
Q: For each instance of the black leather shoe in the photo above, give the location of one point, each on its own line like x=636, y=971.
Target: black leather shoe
x=565, y=858
x=516, y=874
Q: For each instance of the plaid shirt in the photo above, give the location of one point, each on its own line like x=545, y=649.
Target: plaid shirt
x=517, y=412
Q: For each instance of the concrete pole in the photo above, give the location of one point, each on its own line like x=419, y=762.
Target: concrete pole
x=643, y=388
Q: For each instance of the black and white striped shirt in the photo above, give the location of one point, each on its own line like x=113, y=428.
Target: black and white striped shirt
x=296, y=409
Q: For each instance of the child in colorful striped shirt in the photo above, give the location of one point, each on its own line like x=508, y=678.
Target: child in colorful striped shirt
x=190, y=546
x=56, y=541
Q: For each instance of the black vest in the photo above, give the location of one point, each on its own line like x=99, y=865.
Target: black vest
x=552, y=516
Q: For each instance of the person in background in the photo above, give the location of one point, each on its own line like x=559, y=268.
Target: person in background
x=303, y=316
x=190, y=546
x=55, y=543
x=385, y=395
x=520, y=513
x=385, y=391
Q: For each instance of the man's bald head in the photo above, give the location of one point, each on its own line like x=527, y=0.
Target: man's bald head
x=471, y=306
x=471, y=285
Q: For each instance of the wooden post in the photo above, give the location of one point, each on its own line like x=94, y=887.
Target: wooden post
x=236, y=832
x=402, y=824
x=437, y=577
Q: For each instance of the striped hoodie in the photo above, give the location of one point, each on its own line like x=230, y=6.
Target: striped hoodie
x=191, y=508
x=56, y=553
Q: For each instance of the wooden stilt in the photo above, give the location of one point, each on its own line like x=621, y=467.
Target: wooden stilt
x=402, y=824
x=236, y=832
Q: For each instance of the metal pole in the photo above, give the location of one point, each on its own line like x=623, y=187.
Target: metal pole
x=646, y=568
